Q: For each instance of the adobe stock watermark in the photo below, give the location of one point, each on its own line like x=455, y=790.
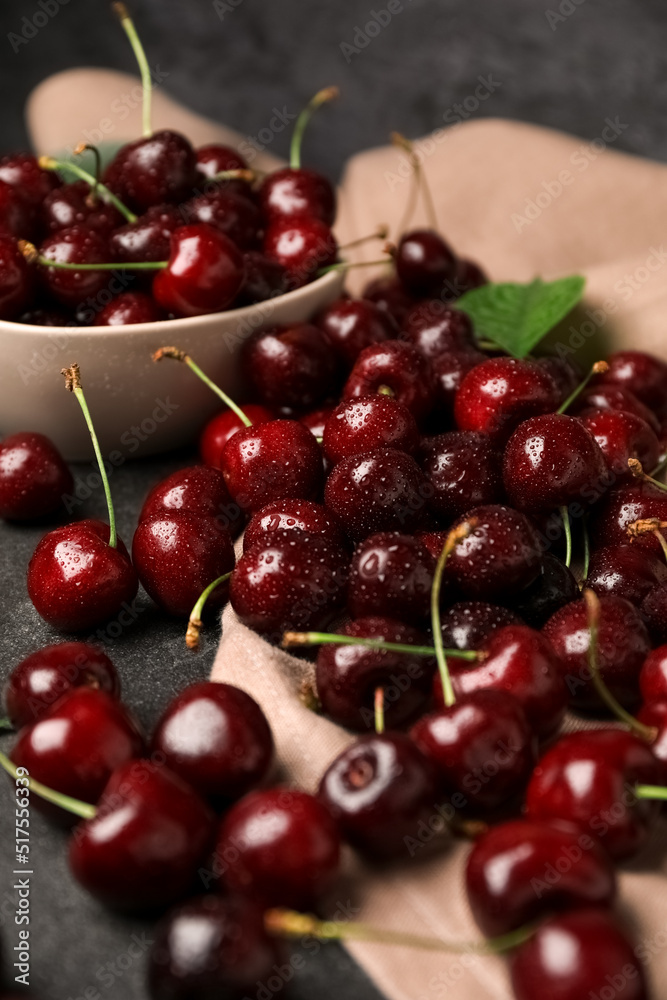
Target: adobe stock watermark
x=31, y=24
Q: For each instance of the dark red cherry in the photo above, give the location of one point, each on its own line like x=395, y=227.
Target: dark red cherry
x=315, y=420
x=545, y=866
x=158, y=168
x=33, y=477
x=553, y=588
x=391, y=575
x=213, y=946
x=197, y=489
x=290, y=581
x=435, y=328
x=551, y=461
x=18, y=217
x=293, y=515
x=449, y=370
x=464, y=469
x=16, y=279
x=654, y=612
x=144, y=846
x=623, y=644
x=653, y=676
x=290, y=366
x=129, y=308
x=389, y=295
x=564, y=374
x=74, y=205
x=76, y=744
x=233, y=214
x=654, y=715
x=520, y=661
x=204, y=273
x=46, y=317
x=22, y=171
x=351, y=325
x=622, y=507
x=424, y=262
x=220, y=428
x=216, y=158
x=483, y=748
x=303, y=246
x=620, y=436
x=276, y=460
x=216, y=738
x=468, y=624
x=575, y=955
x=469, y=274
x=396, y=366
x=149, y=238
x=380, y=791
x=614, y=397
x=76, y=580
x=289, y=194
x=499, y=557
x=368, y=422
x=285, y=846
x=379, y=490
x=264, y=279
x=625, y=571
x=643, y=374
x=500, y=393
x=177, y=554
x=348, y=676
x=77, y=245
x=40, y=679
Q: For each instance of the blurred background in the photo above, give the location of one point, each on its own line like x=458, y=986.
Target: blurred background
x=402, y=64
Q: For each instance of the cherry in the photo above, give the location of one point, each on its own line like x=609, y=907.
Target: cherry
x=16, y=279
x=220, y=428
x=150, y=834
x=77, y=580
x=389, y=295
x=379, y=490
x=564, y=374
x=44, y=676
x=17, y=216
x=289, y=366
x=424, y=262
x=297, y=194
x=76, y=245
x=147, y=239
x=551, y=461
x=276, y=460
x=212, y=946
x=587, y=777
x=129, y=308
x=391, y=575
x=22, y=171
x=613, y=397
x=233, y=214
x=468, y=624
x=653, y=676
x=643, y=374
x=464, y=469
x=368, y=422
x=468, y=275
x=293, y=515
x=625, y=571
x=575, y=955
x=482, y=747
x=74, y=205
x=76, y=744
x=496, y=395
x=285, y=844
x=520, y=661
x=449, y=370
x=620, y=436
x=654, y=716
x=216, y=738
x=398, y=367
x=623, y=645
x=264, y=279
x=622, y=507
x=302, y=246
x=546, y=866
x=380, y=790
x=215, y=159
x=654, y=612
x=157, y=168
x=435, y=328
x=291, y=580
x=204, y=273
x=197, y=489
x=348, y=676
x=351, y=325
x=33, y=477
x=46, y=317
x=177, y=554
x=553, y=588
x=315, y=420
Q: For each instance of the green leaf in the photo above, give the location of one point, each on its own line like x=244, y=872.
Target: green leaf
x=517, y=317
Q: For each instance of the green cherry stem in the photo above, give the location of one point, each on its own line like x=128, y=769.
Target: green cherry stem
x=94, y=190
x=378, y=705
x=651, y=792
x=195, y=624
x=422, y=185
x=96, y=186
x=75, y=806
x=599, y=368
x=637, y=470
x=6, y=724
x=73, y=384
x=128, y=27
x=240, y=174
x=660, y=467
x=346, y=265
x=320, y=98
x=565, y=515
x=33, y=256
x=587, y=549
x=178, y=355
x=455, y=536
x=291, y=639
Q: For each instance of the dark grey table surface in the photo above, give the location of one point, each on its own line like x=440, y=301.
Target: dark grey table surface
x=563, y=63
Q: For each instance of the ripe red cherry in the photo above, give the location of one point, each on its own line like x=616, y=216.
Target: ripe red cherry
x=220, y=428
x=204, y=273
x=290, y=193
x=22, y=171
x=643, y=374
x=435, y=328
x=33, y=477
x=379, y=490
x=129, y=308
x=290, y=581
x=315, y=420
x=545, y=866
x=374, y=421
x=468, y=624
x=653, y=676
x=212, y=946
x=147, y=239
x=155, y=169
x=264, y=279
x=289, y=366
x=380, y=791
x=398, y=367
x=302, y=246
x=464, y=469
x=424, y=262
x=497, y=395
x=177, y=555
x=654, y=612
x=76, y=580
x=625, y=571
x=483, y=748
x=216, y=738
x=588, y=778
x=77, y=245
x=293, y=515
x=285, y=844
x=623, y=644
x=76, y=744
x=520, y=661
x=621, y=508
x=276, y=460
x=144, y=846
x=348, y=676
x=654, y=715
x=620, y=436
x=553, y=588
x=468, y=275
x=389, y=295
x=233, y=214
x=391, y=575
x=17, y=216
x=351, y=325
x=40, y=679
x=197, y=489
x=46, y=317
x=565, y=375
x=73, y=205
x=551, y=461
x=216, y=158
x=578, y=954
x=449, y=370
x=613, y=397
x=16, y=279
